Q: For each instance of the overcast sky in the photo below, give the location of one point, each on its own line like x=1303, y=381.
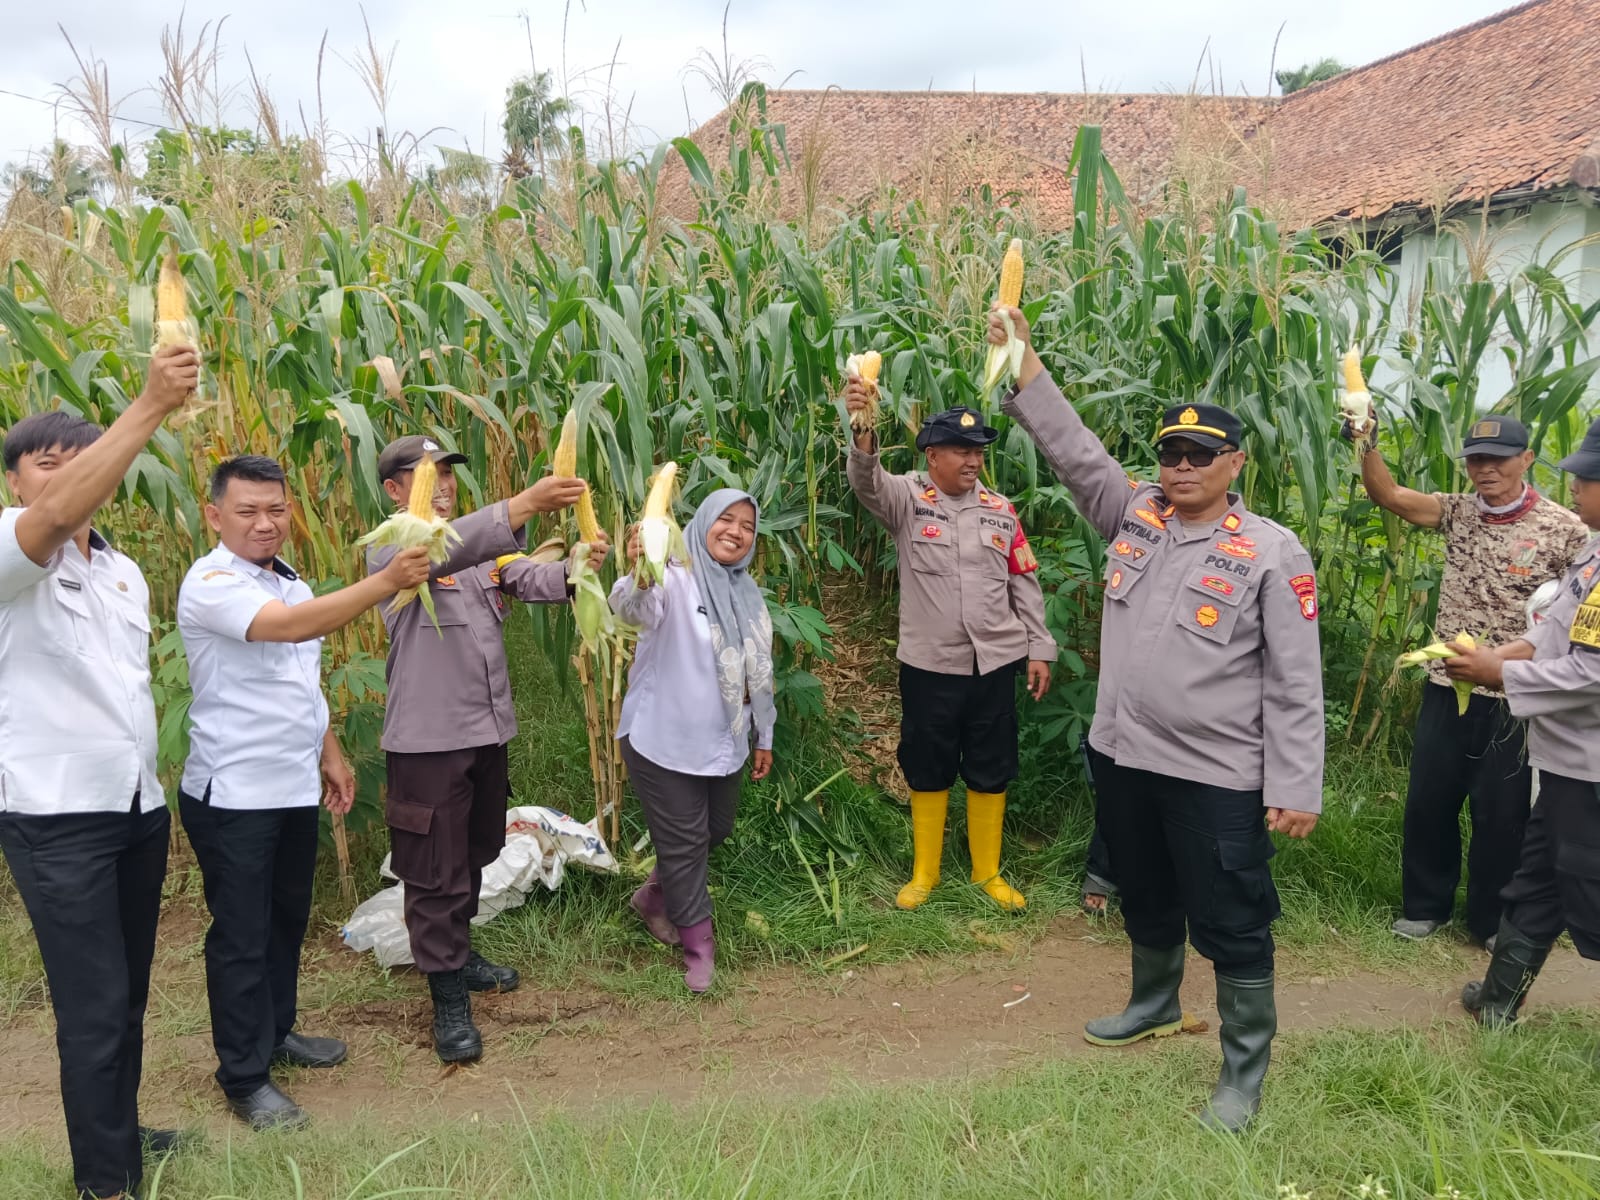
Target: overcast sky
x=452, y=59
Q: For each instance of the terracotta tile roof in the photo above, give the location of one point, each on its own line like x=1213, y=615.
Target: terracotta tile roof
x=945, y=143
x=1508, y=104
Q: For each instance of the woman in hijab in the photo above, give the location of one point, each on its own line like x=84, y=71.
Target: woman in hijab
x=700, y=684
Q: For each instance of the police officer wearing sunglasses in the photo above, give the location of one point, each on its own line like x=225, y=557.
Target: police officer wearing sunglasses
x=1208, y=726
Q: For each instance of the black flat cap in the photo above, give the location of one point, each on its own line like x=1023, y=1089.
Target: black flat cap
x=1205, y=425
x=958, y=426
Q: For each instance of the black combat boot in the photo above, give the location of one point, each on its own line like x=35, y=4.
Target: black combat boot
x=481, y=975
x=1516, y=962
x=1154, y=1009
x=1249, y=1014
x=455, y=1037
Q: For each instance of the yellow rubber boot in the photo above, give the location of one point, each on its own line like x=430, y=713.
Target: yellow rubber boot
x=985, y=811
x=927, y=841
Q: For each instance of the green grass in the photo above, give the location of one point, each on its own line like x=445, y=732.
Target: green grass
x=1495, y=1116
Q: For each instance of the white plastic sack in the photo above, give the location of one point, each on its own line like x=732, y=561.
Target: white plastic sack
x=540, y=842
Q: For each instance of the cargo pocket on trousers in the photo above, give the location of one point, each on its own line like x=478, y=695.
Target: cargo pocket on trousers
x=412, y=853
x=1242, y=894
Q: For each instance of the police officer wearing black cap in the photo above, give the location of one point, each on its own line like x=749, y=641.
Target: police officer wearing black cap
x=1502, y=540
x=1551, y=679
x=1208, y=726
x=971, y=616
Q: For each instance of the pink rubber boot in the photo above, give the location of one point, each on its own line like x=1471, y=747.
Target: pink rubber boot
x=699, y=955
x=652, y=909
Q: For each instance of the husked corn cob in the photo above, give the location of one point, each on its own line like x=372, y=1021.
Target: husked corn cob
x=1355, y=405
x=564, y=465
x=173, y=324
x=1438, y=650
x=417, y=525
x=1005, y=361
x=865, y=367
x=659, y=535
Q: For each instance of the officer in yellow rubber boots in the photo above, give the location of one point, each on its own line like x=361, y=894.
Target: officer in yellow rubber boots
x=971, y=618
x=1208, y=726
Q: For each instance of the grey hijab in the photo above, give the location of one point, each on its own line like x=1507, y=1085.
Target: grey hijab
x=741, y=629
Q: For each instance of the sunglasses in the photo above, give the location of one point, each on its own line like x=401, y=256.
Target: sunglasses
x=1197, y=458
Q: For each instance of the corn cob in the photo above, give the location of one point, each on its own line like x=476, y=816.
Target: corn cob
x=659, y=534
x=173, y=325
x=564, y=465
x=417, y=525
x=865, y=367
x=1005, y=361
x=1356, y=404
x=1438, y=650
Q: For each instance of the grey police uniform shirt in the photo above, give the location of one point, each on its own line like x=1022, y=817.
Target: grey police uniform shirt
x=449, y=688
x=960, y=603
x=1558, y=690
x=1210, y=665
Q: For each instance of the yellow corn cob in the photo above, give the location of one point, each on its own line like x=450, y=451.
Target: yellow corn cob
x=1355, y=406
x=659, y=534
x=1011, y=275
x=173, y=326
x=564, y=465
x=424, y=482
x=1005, y=361
x=865, y=367
x=1438, y=650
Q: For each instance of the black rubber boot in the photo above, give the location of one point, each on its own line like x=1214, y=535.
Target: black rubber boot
x=455, y=1037
x=1249, y=1013
x=1516, y=963
x=481, y=975
x=1154, y=1009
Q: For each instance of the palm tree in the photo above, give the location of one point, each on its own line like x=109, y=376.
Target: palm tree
x=533, y=118
x=1302, y=77
x=62, y=176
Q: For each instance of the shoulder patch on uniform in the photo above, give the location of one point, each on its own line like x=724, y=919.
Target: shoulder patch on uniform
x=213, y=574
x=1305, y=588
x=1206, y=616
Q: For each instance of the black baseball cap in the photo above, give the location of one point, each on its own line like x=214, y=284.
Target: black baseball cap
x=404, y=453
x=1584, y=462
x=1205, y=425
x=959, y=426
x=1495, y=436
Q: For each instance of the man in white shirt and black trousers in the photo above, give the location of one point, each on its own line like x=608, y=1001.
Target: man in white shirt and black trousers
x=261, y=753
x=83, y=821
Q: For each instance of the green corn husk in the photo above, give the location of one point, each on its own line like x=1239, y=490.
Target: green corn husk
x=405, y=530
x=1004, y=362
x=1438, y=650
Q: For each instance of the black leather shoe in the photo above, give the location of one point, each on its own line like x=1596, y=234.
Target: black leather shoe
x=268, y=1108
x=455, y=1038
x=158, y=1143
x=481, y=975
x=297, y=1050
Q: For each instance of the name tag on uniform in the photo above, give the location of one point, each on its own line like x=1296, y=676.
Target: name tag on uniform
x=72, y=585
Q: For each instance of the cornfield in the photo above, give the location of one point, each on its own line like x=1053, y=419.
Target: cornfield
x=338, y=317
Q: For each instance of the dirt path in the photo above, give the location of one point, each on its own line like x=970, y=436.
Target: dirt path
x=796, y=1031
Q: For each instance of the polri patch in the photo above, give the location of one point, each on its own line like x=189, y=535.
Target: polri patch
x=1305, y=588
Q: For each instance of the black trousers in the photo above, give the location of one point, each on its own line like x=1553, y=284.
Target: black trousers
x=257, y=865
x=688, y=816
x=1557, y=884
x=1481, y=756
x=1097, y=861
x=1188, y=854
x=447, y=821
x=958, y=725
x=91, y=883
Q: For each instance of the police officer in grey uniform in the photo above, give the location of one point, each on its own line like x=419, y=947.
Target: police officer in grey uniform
x=1551, y=679
x=1208, y=728
x=971, y=618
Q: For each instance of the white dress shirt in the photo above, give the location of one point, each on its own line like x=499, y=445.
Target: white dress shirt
x=259, y=716
x=673, y=712
x=77, y=720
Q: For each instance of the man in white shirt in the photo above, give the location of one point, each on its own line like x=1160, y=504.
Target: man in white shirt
x=261, y=753
x=83, y=821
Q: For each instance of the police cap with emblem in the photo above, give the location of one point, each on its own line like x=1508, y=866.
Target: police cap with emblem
x=1496, y=437
x=958, y=426
x=1585, y=461
x=1205, y=425
x=404, y=453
